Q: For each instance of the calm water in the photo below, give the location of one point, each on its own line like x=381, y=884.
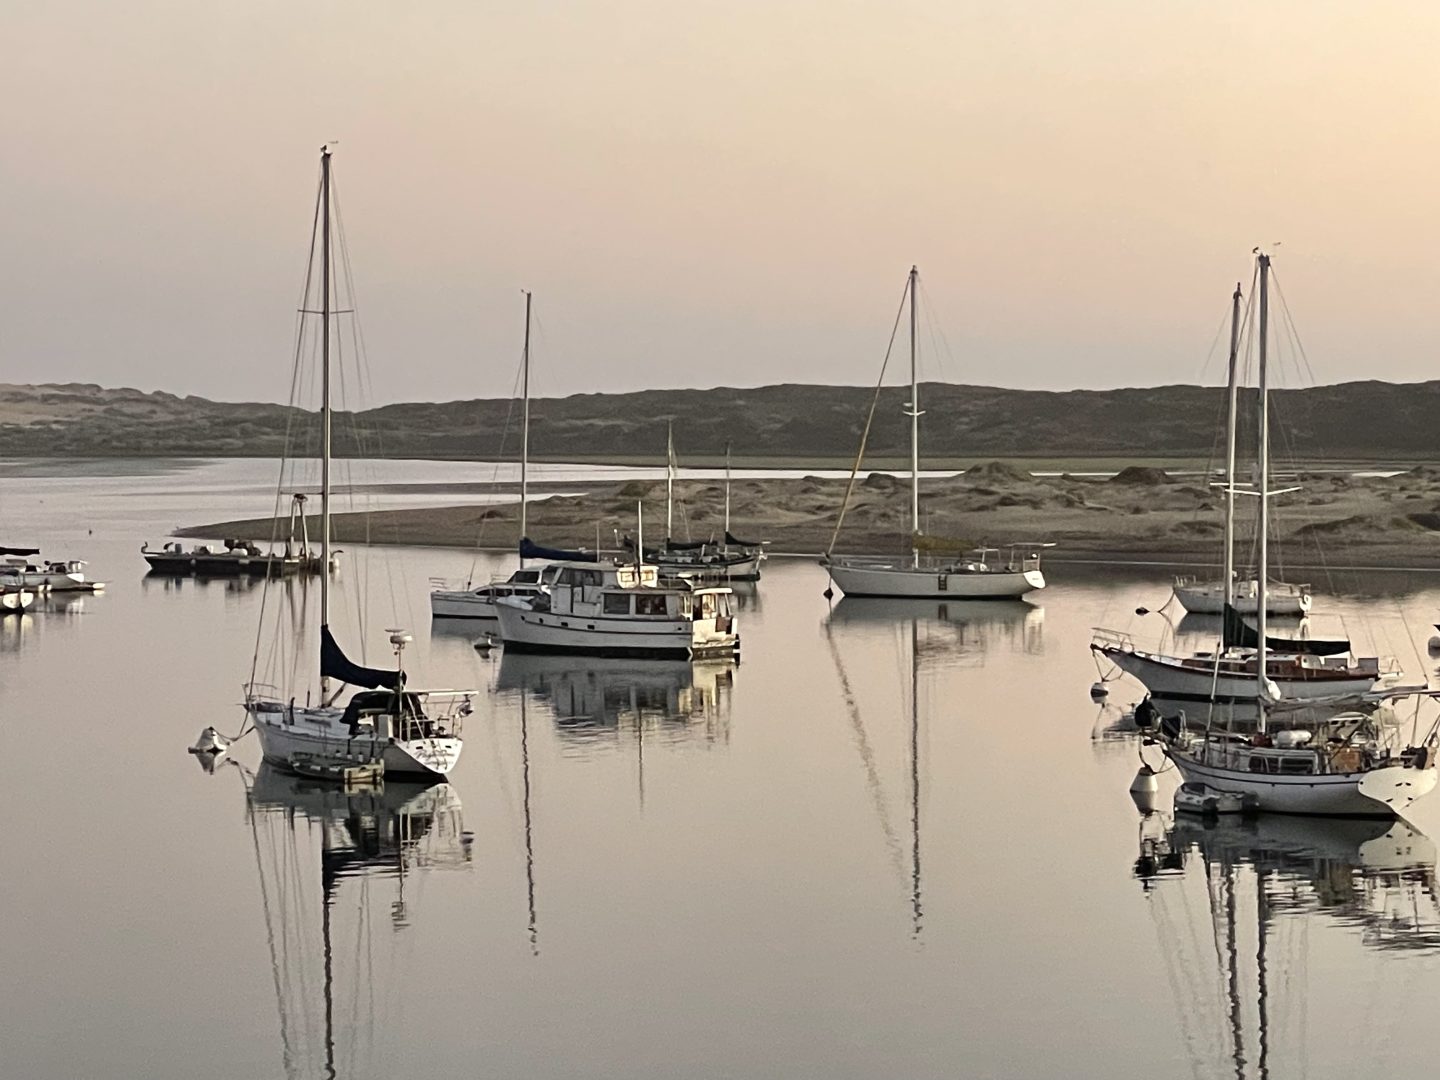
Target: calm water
x=893, y=841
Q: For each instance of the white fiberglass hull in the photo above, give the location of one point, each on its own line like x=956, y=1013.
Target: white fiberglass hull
x=1170, y=678
x=523, y=629
x=1208, y=598
x=462, y=605
x=1332, y=794
x=286, y=734
x=14, y=601
x=927, y=584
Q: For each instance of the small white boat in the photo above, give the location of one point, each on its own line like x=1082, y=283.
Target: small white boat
x=15, y=599
x=981, y=574
x=66, y=575
x=1208, y=597
x=1196, y=798
x=618, y=609
x=480, y=602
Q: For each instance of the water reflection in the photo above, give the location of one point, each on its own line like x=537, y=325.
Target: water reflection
x=973, y=625
x=596, y=698
x=15, y=630
x=1233, y=902
x=310, y=840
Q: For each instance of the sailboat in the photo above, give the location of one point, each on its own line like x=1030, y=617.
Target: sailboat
x=383, y=722
x=1345, y=767
x=991, y=573
x=1200, y=597
x=732, y=559
x=1244, y=673
x=478, y=601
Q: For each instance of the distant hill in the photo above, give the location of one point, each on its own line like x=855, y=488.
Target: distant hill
x=1366, y=421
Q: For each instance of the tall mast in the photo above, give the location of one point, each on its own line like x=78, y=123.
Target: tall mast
x=525, y=425
x=1262, y=571
x=1234, y=393
x=324, y=398
x=727, y=490
x=669, y=479
x=914, y=432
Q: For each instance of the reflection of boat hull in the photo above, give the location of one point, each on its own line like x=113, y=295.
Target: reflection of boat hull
x=1208, y=598
x=1317, y=795
x=286, y=733
x=880, y=579
x=889, y=609
x=1189, y=680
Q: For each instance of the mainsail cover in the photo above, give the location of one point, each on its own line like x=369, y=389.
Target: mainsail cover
x=531, y=550
x=1240, y=634
x=731, y=538
x=25, y=552
x=334, y=664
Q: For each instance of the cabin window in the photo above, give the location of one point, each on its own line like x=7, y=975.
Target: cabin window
x=617, y=604
x=1258, y=763
x=1297, y=765
x=707, y=606
x=650, y=605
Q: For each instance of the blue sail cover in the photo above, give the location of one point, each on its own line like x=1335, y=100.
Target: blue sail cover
x=1236, y=631
x=531, y=550
x=19, y=551
x=731, y=538
x=334, y=664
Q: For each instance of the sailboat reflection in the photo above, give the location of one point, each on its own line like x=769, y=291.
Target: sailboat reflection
x=595, y=698
x=977, y=625
x=311, y=839
x=1264, y=881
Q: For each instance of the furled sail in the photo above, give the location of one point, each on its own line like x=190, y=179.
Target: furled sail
x=23, y=552
x=732, y=539
x=334, y=664
x=1240, y=634
x=531, y=550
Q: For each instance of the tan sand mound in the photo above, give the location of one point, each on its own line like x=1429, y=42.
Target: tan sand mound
x=997, y=472
x=1140, y=474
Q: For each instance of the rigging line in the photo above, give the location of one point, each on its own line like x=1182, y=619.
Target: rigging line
x=289, y=421
x=1289, y=321
x=869, y=420
x=867, y=758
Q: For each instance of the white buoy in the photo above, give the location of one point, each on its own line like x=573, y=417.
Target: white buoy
x=1099, y=689
x=1145, y=789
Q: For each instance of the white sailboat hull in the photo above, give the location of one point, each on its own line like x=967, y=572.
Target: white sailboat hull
x=1170, y=678
x=543, y=631
x=1331, y=795
x=1208, y=598
x=287, y=733
x=462, y=605
x=894, y=580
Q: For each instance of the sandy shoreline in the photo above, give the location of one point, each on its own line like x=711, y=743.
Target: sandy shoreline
x=1139, y=515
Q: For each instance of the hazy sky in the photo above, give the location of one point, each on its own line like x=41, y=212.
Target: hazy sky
x=705, y=193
